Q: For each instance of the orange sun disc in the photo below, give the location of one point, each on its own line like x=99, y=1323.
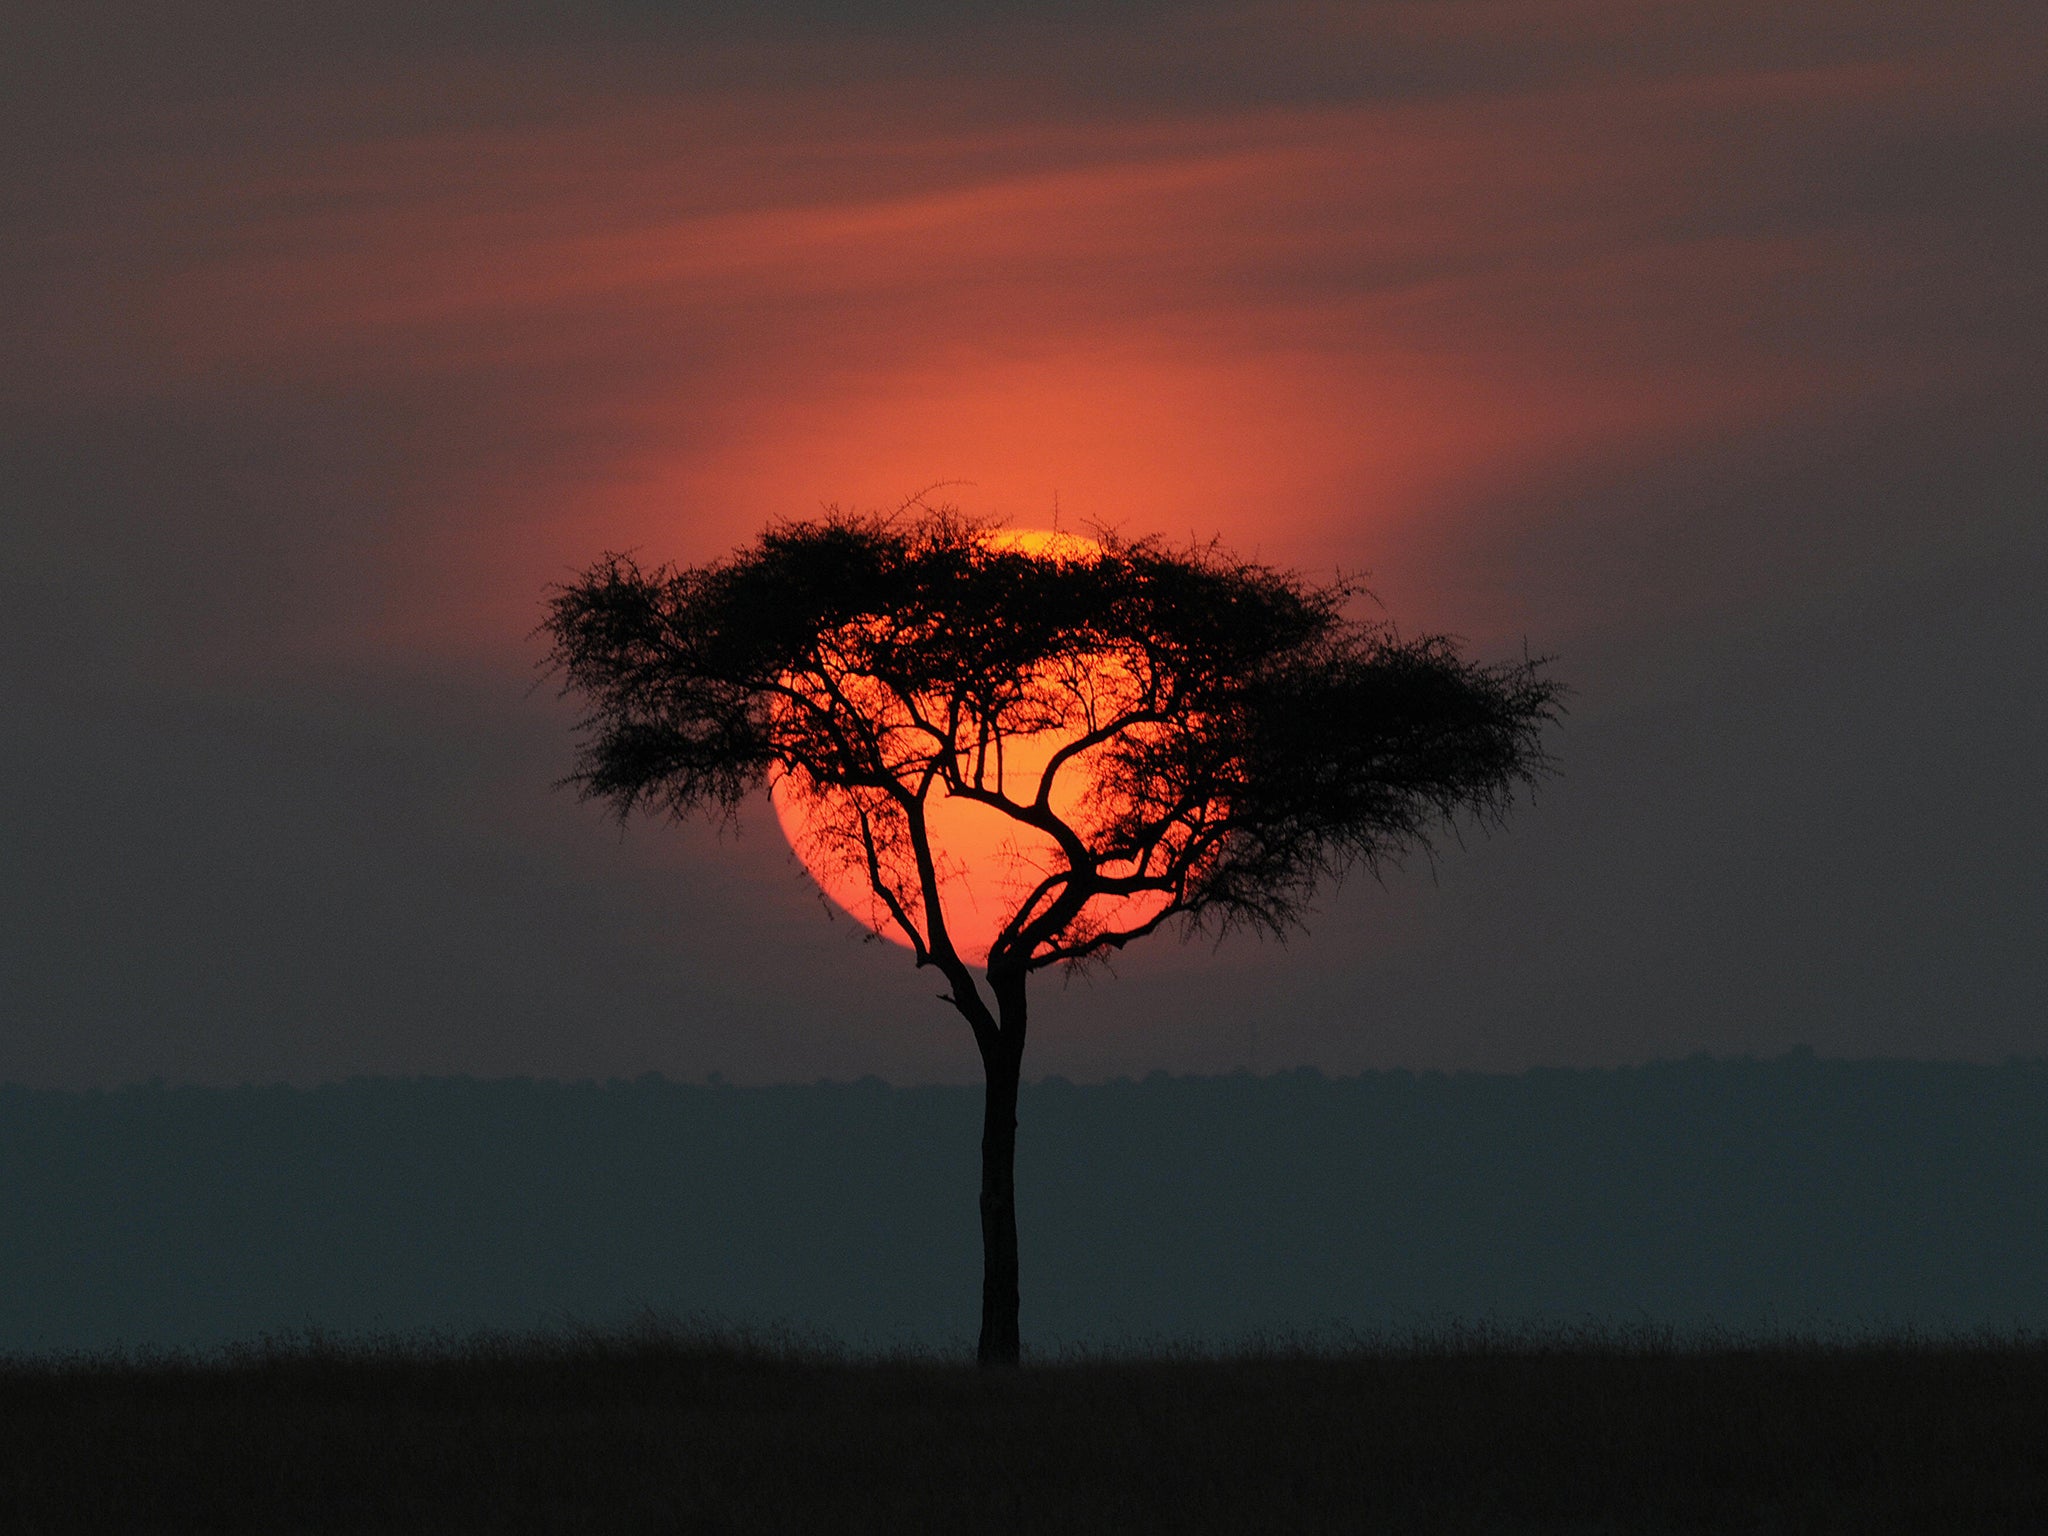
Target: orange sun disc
x=987, y=863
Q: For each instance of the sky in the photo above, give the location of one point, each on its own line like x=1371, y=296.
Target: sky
x=1697, y=347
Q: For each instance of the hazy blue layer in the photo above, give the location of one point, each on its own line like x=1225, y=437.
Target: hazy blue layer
x=1794, y=1192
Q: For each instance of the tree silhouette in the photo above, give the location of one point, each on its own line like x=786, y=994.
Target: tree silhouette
x=1174, y=735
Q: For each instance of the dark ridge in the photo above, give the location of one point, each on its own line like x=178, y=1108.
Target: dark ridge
x=1794, y=1193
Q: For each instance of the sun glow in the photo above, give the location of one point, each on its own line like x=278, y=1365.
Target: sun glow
x=987, y=863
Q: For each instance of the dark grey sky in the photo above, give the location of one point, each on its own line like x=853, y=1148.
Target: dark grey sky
x=1701, y=347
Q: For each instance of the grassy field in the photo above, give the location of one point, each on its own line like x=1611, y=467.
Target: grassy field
x=662, y=1431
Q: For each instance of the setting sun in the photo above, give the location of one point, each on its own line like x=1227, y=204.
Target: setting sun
x=987, y=861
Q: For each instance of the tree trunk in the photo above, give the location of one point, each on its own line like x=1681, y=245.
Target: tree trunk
x=1000, y=1343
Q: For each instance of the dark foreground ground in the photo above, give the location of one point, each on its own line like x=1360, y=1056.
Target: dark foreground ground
x=655, y=1432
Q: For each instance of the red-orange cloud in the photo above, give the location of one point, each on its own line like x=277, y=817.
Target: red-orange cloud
x=1315, y=328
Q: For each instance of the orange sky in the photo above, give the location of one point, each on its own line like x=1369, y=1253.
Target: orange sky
x=1694, y=344
x=1316, y=329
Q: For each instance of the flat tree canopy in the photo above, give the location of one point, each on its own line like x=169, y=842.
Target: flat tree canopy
x=1228, y=735
x=1175, y=735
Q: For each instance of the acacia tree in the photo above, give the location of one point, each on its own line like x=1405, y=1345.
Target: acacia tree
x=1176, y=736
